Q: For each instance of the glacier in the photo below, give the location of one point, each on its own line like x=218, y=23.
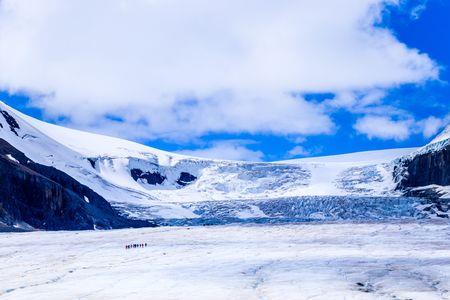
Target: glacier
x=130, y=175
x=312, y=209
x=388, y=260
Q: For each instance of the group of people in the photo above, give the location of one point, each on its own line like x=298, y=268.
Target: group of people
x=131, y=246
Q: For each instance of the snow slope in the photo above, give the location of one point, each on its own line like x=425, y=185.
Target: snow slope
x=441, y=141
x=357, y=158
x=96, y=145
x=326, y=261
x=360, y=173
x=106, y=165
x=445, y=135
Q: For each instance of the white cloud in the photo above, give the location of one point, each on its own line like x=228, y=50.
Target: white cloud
x=387, y=128
x=357, y=101
x=145, y=61
x=431, y=126
x=418, y=9
x=367, y=102
x=384, y=128
x=230, y=150
x=298, y=151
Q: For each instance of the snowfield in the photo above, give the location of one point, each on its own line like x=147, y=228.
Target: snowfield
x=403, y=260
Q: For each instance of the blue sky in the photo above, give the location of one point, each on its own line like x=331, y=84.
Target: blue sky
x=409, y=108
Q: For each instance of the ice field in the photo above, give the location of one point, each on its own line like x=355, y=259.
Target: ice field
x=383, y=260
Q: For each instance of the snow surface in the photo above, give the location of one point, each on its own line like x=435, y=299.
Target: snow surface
x=326, y=261
x=357, y=158
x=93, y=145
x=445, y=135
x=441, y=141
x=302, y=209
x=10, y=157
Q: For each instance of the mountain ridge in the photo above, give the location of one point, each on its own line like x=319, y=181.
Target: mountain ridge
x=127, y=174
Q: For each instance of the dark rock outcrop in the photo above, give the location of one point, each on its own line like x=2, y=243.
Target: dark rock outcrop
x=425, y=169
x=92, y=161
x=155, y=177
x=46, y=198
x=13, y=125
x=152, y=178
x=186, y=178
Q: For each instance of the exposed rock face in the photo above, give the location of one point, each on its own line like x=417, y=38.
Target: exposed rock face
x=424, y=169
x=13, y=125
x=186, y=178
x=152, y=178
x=92, y=161
x=46, y=198
x=155, y=177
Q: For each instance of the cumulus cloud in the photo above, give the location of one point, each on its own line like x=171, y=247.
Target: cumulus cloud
x=418, y=9
x=298, y=151
x=432, y=125
x=367, y=102
x=179, y=69
x=230, y=150
x=357, y=101
x=383, y=128
x=388, y=128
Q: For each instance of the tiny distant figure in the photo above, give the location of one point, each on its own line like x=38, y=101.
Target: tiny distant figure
x=131, y=246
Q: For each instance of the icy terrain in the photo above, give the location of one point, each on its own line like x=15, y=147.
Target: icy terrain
x=444, y=135
x=302, y=209
x=326, y=261
x=131, y=175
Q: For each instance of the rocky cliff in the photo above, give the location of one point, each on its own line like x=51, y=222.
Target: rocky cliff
x=423, y=173
x=42, y=197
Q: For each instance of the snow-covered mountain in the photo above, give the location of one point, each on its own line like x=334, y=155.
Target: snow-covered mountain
x=443, y=136
x=426, y=171
x=130, y=175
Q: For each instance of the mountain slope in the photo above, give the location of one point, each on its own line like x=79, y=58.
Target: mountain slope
x=130, y=175
x=426, y=172
x=444, y=136
x=38, y=196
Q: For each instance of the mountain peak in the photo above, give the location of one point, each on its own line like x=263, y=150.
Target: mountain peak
x=444, y=135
